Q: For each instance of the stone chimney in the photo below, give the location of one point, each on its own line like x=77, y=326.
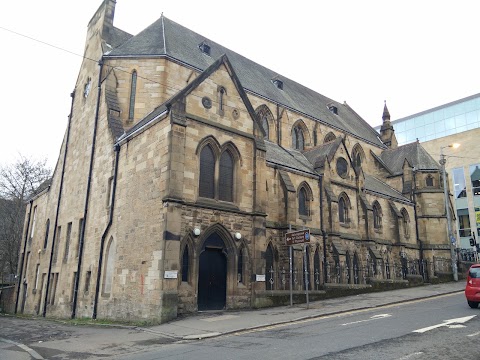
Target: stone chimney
x=101, y=23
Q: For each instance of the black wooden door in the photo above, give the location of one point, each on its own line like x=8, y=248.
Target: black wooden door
x=212, y=280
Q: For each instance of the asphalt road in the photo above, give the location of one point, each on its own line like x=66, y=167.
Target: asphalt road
x=382, y=333
x=438, y=328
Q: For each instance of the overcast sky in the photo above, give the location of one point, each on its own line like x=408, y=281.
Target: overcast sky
x=414, y=54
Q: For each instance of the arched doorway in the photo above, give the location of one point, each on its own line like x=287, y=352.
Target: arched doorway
x=212, y=274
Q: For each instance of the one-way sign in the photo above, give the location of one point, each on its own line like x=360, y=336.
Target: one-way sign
x=297, y=237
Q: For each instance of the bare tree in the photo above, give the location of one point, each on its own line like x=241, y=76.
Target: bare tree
x=18, y=183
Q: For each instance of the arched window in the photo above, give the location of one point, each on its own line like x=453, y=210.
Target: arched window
x=298, y=139
x=265, y=117
x=185, y=264
x=406, y=222
x=329, y=137
x=377, y=216
x=307, y=278
x=133, y=91
x=343, y=205
x=269, y=268
x=221, y=99
x=316, y=269
x=265, y=126
x=226, y=177
x=429, y=181
x=207, y=173
x=356, y=269
x=357, y=156
x=348, y=266
x=47, y=230
x=303, y=202
x=240, y=276
x=109, y=267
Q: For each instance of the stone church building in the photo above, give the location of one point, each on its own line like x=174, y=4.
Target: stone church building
x=182, y=168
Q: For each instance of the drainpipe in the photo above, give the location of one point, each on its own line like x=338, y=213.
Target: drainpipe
x=44, y=312
x=87, y=196
x=322, y=229
x=102, y=243
x=23, y=257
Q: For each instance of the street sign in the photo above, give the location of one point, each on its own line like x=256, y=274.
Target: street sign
x=297, y=237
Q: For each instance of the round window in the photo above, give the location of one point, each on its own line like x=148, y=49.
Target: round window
x=342, y=167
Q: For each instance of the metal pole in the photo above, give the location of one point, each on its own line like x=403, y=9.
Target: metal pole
x=291, y=270
x=451, y=238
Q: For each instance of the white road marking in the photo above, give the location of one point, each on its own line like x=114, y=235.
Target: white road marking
x=32, y=352
x=446, y=323
x=409, y=356
x=474, y=334
x=374, y=317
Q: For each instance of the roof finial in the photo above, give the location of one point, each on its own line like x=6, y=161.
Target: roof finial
x=386, y=113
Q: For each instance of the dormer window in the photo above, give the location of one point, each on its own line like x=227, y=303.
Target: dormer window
x=205, y=48
x=333, y=109
x=278, y=84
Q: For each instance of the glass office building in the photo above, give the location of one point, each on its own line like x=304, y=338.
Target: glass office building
x=455, y=122
x=444, y=120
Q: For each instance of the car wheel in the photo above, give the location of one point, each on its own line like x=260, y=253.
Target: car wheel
x=473, y=304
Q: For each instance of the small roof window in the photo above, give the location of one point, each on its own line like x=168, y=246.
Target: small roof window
x=278, y=83
x=333, y=109
x=205, y=48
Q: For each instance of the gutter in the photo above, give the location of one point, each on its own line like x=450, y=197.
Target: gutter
x=125, y=138
x=23, y=257
x=87, y=196
x=102, y=243
x=44, y=311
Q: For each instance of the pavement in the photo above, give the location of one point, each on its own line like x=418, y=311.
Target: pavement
x=210, y=324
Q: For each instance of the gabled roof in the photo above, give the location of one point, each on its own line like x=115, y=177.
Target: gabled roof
x=414, y=153
x=167, y=38
x=287, y=159
x=319, y=154
x=165, y=107
x=377, y=186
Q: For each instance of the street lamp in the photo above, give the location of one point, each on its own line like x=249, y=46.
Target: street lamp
x=451, y=237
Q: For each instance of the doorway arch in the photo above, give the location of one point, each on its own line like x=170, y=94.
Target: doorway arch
x=212, y=274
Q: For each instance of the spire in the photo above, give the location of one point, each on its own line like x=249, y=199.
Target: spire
x=387, y=133
x=386, y=113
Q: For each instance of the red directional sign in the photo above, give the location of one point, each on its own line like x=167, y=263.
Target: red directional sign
x=297, y=237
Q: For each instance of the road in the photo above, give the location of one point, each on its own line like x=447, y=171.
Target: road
x=438, y=328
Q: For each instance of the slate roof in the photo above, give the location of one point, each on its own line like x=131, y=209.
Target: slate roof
x=119, y=37
x=288, y=159
x=415, y=155
x=167, y=38
x=379, y=187
x=317, y=155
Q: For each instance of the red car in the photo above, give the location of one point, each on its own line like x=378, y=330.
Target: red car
x=472, y=290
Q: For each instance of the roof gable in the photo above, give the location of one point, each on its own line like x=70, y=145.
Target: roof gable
x=413, y=153
x=166, y=106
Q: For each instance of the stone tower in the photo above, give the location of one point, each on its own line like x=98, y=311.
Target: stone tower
x=387, y=133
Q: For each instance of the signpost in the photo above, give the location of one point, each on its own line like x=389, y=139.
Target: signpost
x=297, y=237
x=294, y=238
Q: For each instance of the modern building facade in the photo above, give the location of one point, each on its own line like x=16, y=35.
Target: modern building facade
x=455, y=122
x=183, y=166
